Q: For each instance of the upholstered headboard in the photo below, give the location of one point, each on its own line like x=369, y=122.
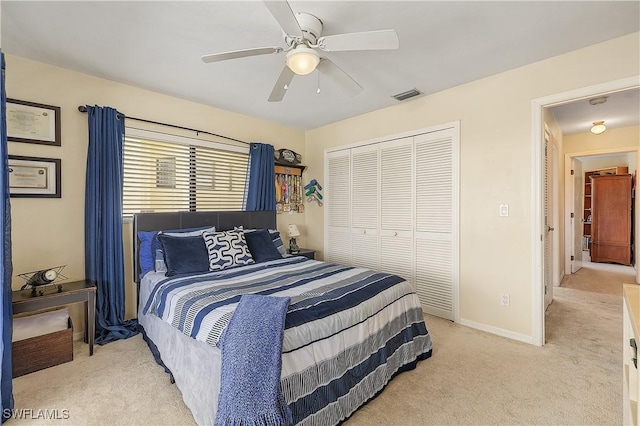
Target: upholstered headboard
x=223, y=221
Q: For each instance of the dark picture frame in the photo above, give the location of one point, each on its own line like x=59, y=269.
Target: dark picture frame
x=35, y=177
x=31, y=122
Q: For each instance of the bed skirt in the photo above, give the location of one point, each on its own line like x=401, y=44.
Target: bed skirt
x=199, y=382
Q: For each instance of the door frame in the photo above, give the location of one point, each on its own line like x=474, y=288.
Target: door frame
x=571, y=223
x=553, y=219
x=537, y=187
x=570, y=191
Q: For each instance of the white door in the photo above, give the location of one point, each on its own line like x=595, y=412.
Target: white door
x=396, y=208
x=365, y=192
x=577, y=225
x=436, y=222
x=337, y=202
x=548, y=221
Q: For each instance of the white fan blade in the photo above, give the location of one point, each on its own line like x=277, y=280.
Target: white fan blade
x=368, y=40
x=285, y=17
x=217, y=57
x=341, y=78
x=282, y=85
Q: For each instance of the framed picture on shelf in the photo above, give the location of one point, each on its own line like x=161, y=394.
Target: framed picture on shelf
x=34, y=177
x=33, y=123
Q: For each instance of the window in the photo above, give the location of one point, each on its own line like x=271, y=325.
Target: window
x=166, y=173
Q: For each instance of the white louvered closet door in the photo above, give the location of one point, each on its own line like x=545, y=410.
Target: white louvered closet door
x=337, y=247
x=436, y=227
x=396, y=208
x=365, y=189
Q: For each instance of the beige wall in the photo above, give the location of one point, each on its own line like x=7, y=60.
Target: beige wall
x=495, y=114
x=49, y=232
x=623, y=137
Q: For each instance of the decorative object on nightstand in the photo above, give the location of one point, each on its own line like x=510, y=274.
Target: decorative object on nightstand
x=43, y=277
x=293, y=232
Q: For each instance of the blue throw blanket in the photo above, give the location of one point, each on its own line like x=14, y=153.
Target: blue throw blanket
x=250, y=392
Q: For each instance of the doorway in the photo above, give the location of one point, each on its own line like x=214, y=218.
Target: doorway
x=578, y=199
x=538, y=174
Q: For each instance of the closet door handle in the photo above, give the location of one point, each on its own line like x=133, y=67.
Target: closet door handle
x=364, y=231
x=395, y=234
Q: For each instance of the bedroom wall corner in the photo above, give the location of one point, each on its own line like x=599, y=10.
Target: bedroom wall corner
x=495, y=167
x=48, y=232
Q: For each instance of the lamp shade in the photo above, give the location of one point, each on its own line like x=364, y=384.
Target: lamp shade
x=302, y=60
x=598, y=127
x=293, y=231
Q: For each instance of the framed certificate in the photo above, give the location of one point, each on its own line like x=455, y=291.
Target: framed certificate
x=33, y=123
x=34, y=177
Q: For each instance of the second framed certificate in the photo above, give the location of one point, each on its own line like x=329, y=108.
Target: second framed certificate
x=34, y=177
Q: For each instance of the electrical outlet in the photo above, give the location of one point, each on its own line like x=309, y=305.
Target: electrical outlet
x=504, y=299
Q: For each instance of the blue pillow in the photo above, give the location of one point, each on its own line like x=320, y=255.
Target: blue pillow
x=261, y=246
x=149, y=244
x=275, y=237
x=184, y=255
x=146, y=255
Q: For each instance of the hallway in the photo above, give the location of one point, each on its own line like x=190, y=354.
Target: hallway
x=602, y=278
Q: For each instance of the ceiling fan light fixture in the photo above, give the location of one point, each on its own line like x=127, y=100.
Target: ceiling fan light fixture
x=302, y=60
x=598, y=127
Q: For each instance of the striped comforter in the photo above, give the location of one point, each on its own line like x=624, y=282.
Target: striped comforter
x=348, y=330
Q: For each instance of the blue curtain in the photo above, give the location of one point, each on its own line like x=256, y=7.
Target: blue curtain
x=104, y=258
x=260, y=192
x=6, y=267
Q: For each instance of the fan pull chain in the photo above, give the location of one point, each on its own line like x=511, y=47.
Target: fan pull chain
x=318, y=91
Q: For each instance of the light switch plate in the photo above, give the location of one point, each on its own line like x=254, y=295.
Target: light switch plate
x=504, y=210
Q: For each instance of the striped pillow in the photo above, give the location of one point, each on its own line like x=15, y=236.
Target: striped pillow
x=226, y=249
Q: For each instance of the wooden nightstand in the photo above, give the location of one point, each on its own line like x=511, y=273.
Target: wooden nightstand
x=308, y=253
x=77, y=291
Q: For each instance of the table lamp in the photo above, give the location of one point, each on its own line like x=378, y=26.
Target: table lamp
x=293, y=232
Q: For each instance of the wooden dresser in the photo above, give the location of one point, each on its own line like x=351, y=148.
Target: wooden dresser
x=611, y=218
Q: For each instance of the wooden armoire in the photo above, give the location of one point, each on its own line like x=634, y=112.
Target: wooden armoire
x=611, y=218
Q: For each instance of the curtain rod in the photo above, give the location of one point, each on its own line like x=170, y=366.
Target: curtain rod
x=83, y=108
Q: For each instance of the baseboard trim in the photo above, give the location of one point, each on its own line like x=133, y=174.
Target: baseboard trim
x=498, y=331
x=78, y=335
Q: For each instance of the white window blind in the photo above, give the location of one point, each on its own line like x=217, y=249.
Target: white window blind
x=166, y=173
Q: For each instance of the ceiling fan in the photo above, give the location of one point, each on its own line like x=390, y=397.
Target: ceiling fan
x=304, y=44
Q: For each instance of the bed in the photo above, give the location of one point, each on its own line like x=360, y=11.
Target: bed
x=348, y=330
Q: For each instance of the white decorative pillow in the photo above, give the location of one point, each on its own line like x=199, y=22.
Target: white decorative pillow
x=227, y=249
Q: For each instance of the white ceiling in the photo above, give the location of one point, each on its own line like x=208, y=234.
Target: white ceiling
x=157, y=46
x=622, y=109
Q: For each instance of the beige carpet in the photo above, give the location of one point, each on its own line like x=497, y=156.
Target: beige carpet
x=472, y=378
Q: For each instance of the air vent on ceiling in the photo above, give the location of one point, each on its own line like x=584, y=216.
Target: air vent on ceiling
x=406, y=95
